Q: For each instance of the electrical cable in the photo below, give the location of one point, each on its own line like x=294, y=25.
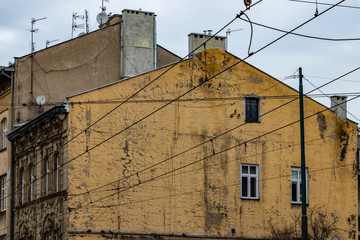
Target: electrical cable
x=327, y=4
x=159, y=76
x=351, y=99
x=303, y=35
x=180, y=96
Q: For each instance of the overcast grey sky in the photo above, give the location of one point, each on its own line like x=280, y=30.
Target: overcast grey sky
x=321, y=60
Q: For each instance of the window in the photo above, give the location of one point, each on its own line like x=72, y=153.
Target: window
x=3, y=193
x=57, y=176
x=296, y=192
x=3, y=237
x=4, y=133
x=32, y=181
x=22, y=186
x=249, y=181
x=252, y=109
x=47, y=172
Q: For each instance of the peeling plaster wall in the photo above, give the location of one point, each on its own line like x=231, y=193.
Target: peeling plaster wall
x=132, y=183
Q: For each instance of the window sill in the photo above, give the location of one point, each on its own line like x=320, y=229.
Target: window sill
x=245, y=198
x=298, y=204
x=3, y=149
x=252, y=121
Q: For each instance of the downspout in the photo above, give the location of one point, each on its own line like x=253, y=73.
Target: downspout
x=121, y=49
x=155, y=44
x=11, y=218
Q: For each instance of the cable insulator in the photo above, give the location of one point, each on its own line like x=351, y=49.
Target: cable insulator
x=247, y=3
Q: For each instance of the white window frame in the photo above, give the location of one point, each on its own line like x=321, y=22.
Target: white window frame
x=3, y=193
x=47, y=171
x=297, y=182
x=4, y=133
x=248, y=177
x=32, y=180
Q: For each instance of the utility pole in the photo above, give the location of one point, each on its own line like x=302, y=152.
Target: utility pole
x=304, y=226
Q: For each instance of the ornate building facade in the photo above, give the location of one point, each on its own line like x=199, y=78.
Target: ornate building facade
x=39, y=178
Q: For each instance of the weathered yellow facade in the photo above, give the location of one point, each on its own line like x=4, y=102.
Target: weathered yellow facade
x=171, y=168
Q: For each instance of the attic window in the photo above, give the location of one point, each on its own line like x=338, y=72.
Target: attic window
x=252, y=109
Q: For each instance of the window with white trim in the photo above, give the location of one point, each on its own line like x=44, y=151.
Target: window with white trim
x=3, y=193
x=47, y=172
x=296, y=190
x=249, y=181
x=57, y=176
x=32, y=181
x=4, y=133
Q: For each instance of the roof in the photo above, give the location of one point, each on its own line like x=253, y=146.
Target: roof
x=61, y=108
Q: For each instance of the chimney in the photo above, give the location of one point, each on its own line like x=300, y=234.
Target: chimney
x=138, y=42
x=197, y=39
x=338, y=105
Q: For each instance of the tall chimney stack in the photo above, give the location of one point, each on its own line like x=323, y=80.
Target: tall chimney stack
x=197, y=39
x=338, y=105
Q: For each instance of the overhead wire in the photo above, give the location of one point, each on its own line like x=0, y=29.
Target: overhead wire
x=180, y=96
x=217, y=153
x=303, y=35
x=326, y=4
x=351, y=99
x=153, y=80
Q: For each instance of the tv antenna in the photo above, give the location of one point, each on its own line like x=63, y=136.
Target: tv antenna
x=48, y=42
x=33, y=21
x=228, y=34
x=74, y=25
x=102, y=17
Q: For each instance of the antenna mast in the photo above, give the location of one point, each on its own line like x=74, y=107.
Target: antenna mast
x=87, y=21
x=33, y=21
x=74, y=25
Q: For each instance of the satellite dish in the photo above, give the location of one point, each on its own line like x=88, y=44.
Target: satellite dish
x=40, y=100
x=102, y=18
x=81, y=34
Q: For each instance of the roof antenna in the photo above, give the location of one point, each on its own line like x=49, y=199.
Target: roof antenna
x=316, y=11
x=102, y=17
x=33, y=21
x=74, y=25
x=48, y=42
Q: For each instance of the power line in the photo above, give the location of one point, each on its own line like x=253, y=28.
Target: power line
x=141, y=119
x=327, y=4
x=232, y=66
x=215, y=153
x=303, y=35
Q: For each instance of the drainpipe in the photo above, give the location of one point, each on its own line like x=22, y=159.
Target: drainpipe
x=155, y=44
x=11, y=218
x=122, y=49
x=11, y=173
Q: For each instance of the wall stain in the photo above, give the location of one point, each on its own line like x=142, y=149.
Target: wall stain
x=322, y=124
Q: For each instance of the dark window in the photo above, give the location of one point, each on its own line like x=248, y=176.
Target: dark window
x=251, y=109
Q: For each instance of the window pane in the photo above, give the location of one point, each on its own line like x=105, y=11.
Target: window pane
x=294, y=174
x=244, y=169
x=244, y=188
x=253, y=170
x=293, y=192
x=253, y=187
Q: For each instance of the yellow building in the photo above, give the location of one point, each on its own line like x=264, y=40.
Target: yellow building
x=209, y=149
x=6, y=76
